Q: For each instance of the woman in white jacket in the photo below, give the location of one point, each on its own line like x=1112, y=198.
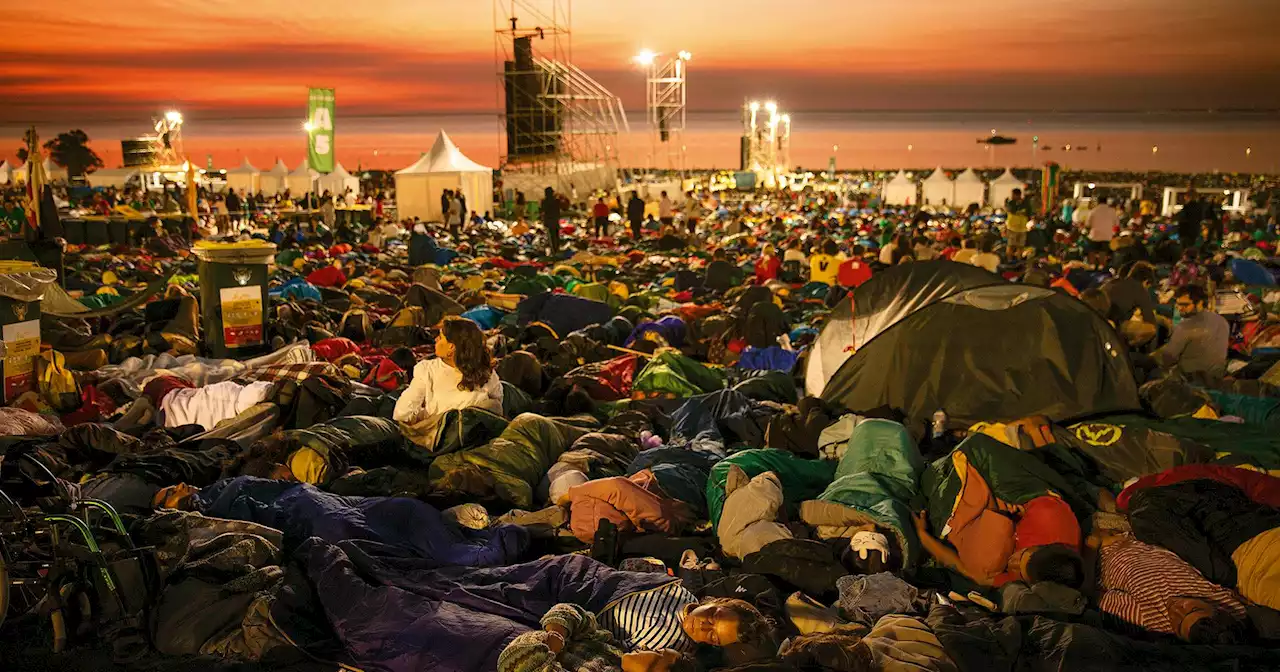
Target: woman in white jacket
x=461, y=375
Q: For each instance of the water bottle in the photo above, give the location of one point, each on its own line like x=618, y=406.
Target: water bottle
x=939, y=423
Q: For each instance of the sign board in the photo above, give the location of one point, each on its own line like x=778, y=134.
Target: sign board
x=241, y=316
x=22, y=345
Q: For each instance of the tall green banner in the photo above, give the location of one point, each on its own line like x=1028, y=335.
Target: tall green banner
x=320, y=130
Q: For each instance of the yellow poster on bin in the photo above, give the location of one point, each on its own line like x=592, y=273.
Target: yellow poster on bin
x=242, y=316
x=22, y=345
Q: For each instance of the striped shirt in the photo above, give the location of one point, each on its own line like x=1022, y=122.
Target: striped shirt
x=650, y=620
x=1138, y=580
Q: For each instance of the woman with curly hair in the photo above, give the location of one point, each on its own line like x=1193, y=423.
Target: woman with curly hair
x=461, y=375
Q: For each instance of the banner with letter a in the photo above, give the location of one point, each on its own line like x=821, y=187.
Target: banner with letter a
x=320, y=130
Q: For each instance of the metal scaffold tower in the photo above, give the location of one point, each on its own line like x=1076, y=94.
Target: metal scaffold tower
x=666, y=100
x=557, y=122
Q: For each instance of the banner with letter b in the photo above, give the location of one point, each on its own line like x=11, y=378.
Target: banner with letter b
x=320, y=107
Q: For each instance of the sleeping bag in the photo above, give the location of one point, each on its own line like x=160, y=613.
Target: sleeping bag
x=875, y=483
x=801, y=479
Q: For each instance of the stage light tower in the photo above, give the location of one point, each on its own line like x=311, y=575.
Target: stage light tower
x=666, y=95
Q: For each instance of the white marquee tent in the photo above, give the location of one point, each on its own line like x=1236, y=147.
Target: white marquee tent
x=339, y=181
x=7, y=173
x=970, y=189
x=419, y=186
x=899, y=190
x=244, y=178
x=275, y=180
x=302, y=180
x=112, y=177
x=53, y=172
x=1002, y=188
x=939, y=189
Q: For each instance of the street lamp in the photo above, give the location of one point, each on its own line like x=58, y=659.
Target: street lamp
x=1248, y=151
x=173, y=117
x=1155, y=149
x=308, y=126
x=646, y=57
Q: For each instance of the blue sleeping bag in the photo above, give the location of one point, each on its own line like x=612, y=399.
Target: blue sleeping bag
x=773, y=358
x=395, y=615
x=401, y=526
x=1251, y=273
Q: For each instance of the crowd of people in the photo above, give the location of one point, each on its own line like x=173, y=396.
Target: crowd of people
x=586, y=440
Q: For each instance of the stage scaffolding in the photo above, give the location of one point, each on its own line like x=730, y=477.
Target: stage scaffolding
x=556, y=122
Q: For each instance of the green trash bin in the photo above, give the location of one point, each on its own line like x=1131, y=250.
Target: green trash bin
x=233, y=296
x=21, y=285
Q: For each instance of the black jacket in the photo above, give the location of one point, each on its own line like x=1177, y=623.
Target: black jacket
x=635, y=209
x=1203, y=521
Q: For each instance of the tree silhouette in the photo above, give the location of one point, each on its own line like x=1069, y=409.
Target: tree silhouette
x=22, y=154
x=71, y=151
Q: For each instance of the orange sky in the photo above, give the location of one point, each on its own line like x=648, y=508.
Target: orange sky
x=109, y=66
x=232, y=58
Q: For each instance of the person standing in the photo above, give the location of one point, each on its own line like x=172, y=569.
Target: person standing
x=1189, y=219
x=1018, y=212
x=458, y=211
x=551, y=219
x=462, y=203
x=1101, y=228
x=666, y=211
x=635, y=213
x=600, y=211
x=445, y=197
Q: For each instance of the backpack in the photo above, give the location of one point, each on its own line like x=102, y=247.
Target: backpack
x=57, y=384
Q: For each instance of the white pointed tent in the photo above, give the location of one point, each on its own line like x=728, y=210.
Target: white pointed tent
x=53, y=172
x=6, y=173
x=899, y=191
x=338, y=182
x=970, y=189
x=244, y=178
x=113, y=177
x=302, y=180
x=939, y=189
x=275, y=180
x=419, y=186
x=1002, y=188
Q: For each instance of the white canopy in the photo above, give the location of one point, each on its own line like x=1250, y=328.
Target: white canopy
x=275, y=180
x=6, y=172
x=1002, y=188
x=244, y=178
x=939, y=189
x=302, y=180
x=899, y=191
x=970, y=189
x=338, y=182
x=418, y=187
x=112, y=177
x=52, y=171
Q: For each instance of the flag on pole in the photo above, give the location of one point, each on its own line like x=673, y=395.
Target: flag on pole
x=191, y=191
x=320, y=108
x=35, y=182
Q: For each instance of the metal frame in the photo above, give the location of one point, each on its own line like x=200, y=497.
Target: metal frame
x=666, y=102
x=589, y=117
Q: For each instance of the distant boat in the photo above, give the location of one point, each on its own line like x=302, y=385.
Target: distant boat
x=997, y=140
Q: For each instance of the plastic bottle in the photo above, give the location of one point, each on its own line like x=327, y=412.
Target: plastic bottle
x=939, y=423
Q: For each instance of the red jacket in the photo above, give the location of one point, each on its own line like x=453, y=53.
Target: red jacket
x=767, y=269
x=1259, y=487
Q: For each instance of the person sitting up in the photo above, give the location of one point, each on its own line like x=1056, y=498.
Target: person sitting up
x=769, y=265
x=1200, y=340
x=985, y=258
x=965, y=254
x=460, y=376
x=1132, y=295
x=721, y=274
x=825, y=266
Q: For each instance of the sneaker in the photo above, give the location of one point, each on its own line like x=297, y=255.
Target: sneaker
x=689, y=559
